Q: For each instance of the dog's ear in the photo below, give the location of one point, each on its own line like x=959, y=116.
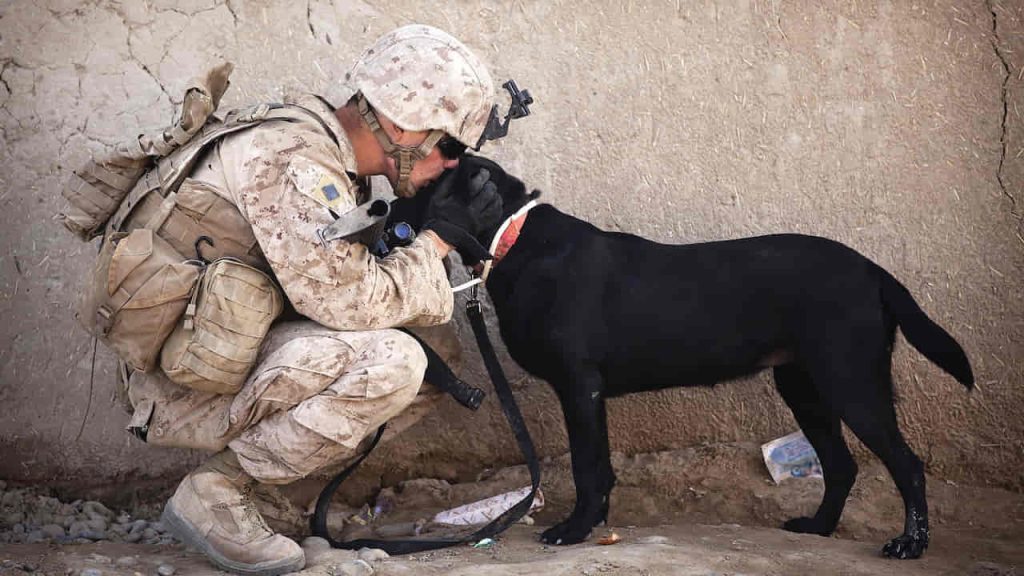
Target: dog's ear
x=535, y=194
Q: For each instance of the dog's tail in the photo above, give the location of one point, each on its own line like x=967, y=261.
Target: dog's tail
x=924, y=334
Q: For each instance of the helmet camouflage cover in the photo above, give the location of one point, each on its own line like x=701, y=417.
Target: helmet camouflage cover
x=421, y=78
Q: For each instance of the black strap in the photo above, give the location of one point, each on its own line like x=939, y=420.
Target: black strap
x=318, y=522
x=440, y=375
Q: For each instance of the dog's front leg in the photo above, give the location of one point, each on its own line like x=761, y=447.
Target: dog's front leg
x=584, y=409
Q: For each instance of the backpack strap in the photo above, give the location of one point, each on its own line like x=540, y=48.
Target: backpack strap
x=172, y=169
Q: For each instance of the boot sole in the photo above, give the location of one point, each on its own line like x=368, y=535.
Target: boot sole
x=184, y=530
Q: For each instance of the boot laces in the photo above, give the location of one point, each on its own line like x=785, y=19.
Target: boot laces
x=250, y=513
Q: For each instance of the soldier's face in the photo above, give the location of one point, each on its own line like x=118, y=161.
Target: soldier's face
x=430, y=168
x=424, y=171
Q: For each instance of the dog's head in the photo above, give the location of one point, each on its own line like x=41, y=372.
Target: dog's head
x=512, y=190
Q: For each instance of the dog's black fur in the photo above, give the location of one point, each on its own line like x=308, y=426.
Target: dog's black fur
x=600, y=314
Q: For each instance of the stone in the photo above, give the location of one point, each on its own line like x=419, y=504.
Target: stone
x=165, y=570
x=352, y=568
x=53, y=531
x=14, y=518
x=126, y=561
x=96, y=508
x=91, y=572
x=77, y=528
x=42, y=518
x=149, y=534
x=99, y=558
x=124, y=518
x=652, y=540
x=315, y=543
x=158, y=526
x=372, y=555
x=18, y=528
x=34, y=537
x=139, y=526
x=97, y=523
x=133, y=537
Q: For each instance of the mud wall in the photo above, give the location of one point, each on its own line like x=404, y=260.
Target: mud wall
x=893, y=127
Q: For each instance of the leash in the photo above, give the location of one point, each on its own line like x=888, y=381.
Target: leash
x=318, y=523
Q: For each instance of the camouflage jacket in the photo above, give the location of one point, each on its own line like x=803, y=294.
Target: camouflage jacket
x=286, y=178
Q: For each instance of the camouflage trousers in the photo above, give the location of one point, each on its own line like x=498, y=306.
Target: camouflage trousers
x=313, y=396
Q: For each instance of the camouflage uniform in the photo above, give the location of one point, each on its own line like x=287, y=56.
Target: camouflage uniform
x=319, y=385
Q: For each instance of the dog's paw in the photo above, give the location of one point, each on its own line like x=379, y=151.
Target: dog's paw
x=567, y=532
x=906, y=547
x=804, y=525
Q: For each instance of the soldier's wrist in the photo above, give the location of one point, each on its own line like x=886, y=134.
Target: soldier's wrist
x=443, y=248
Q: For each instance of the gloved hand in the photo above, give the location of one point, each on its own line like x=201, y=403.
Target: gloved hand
x=459, y=214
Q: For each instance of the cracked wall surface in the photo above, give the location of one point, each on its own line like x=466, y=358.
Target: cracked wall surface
x=893, y=127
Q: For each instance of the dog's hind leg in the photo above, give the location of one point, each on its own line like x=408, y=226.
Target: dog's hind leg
x=822, y=427
x=872, y=418
x=583, y=405
x=853, y=368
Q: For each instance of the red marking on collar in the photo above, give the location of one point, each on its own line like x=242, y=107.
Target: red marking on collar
x=509, y=237
x=505, y=243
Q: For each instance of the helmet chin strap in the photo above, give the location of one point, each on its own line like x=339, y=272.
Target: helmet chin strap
x=404, y=156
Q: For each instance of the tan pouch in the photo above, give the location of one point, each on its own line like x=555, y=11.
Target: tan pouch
x=214, y=347
x=139, y=290
x=95, y=190
x=200, y=210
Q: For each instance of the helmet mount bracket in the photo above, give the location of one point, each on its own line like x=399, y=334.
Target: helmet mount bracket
x=519, y=108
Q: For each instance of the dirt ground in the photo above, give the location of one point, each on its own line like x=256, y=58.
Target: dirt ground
x=706, y=510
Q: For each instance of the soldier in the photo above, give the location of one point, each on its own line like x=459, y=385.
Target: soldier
x=321, y=385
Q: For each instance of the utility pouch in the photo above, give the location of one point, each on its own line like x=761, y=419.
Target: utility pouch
x=96, y=189
x=139, y=289
x=214, y=347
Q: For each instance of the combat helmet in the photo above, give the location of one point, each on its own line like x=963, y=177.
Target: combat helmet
x=422, y=79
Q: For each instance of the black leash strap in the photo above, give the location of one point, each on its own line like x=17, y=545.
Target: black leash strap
x=318, y=522
x=440, y=375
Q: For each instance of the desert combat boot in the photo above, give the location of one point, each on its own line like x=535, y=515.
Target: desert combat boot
x=213, y=511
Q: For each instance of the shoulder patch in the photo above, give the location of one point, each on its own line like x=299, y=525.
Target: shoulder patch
x=327, y=188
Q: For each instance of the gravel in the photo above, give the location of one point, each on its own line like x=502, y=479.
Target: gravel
x=26, y=516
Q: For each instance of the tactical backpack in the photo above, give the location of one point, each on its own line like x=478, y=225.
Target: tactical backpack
x=176, y=261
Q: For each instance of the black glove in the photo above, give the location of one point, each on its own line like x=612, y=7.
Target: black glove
x=460, y=211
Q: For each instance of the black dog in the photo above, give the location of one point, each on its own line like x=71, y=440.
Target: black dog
x=600, y=314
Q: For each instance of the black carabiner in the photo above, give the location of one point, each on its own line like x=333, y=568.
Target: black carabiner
x=198, y=246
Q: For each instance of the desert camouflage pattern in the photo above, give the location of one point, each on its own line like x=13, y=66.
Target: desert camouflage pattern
x=422, y=78
x=319, y=386
x=314, y=395
x=280, y=175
